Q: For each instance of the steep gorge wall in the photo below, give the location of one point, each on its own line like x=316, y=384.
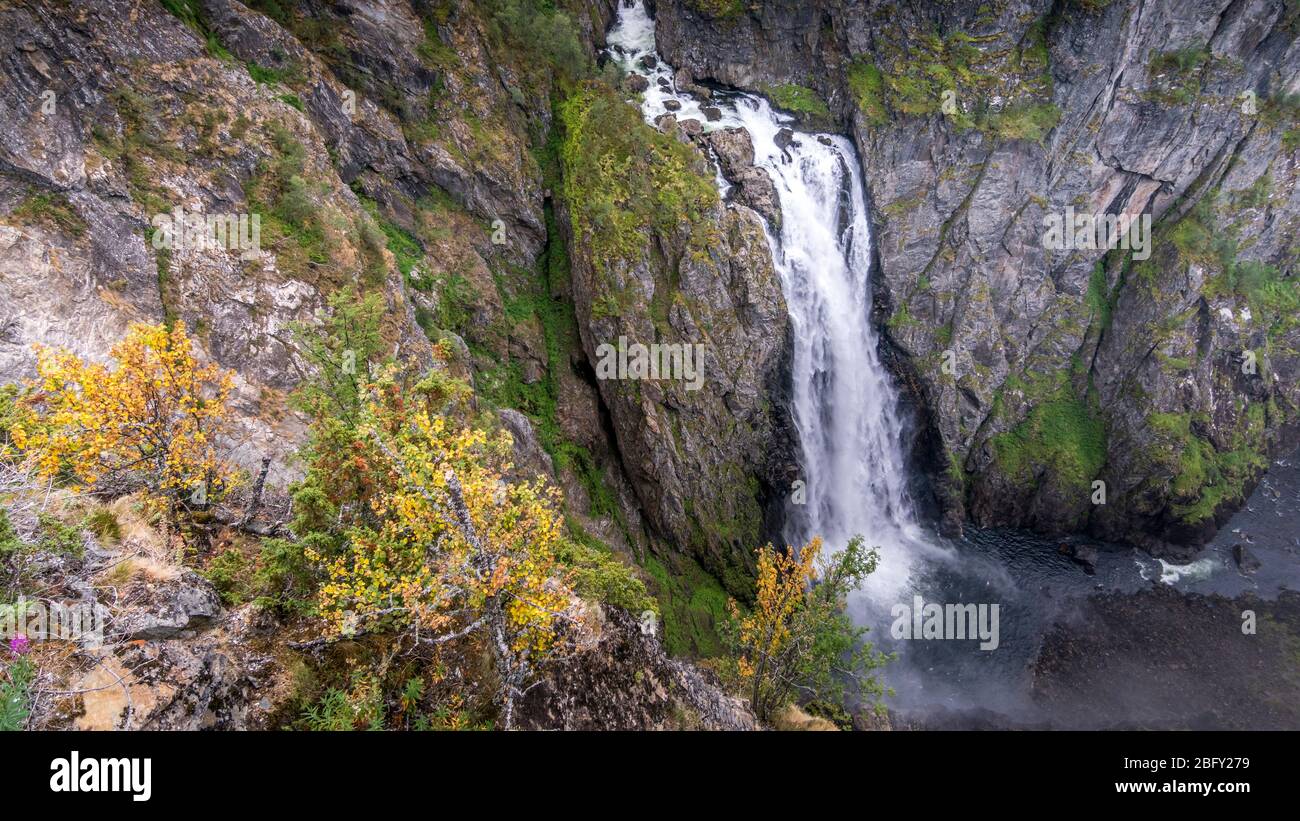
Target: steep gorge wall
x=1172, y=380
x=411, y=149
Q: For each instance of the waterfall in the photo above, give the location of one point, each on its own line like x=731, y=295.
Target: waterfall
x=844, y=405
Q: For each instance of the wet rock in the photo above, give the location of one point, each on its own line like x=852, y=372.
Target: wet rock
x=666, y=123
x=530, y=458
x=868, y=720
x=723, y=421
x=691, y=128
x=636, y=83
x=1247, y=561
x=1084, y=555
x=784, y=138
x=672, y=105
x=711, y=113
x=753, y=187
x=648, y=62
x=684, y=81
x=1162, y=659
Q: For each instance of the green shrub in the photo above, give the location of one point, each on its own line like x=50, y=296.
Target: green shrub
x=56, y=537
x=231, y=573
x=10, y=543
x=599, y=575
x=15, y=694
x=360, y=708
x=281, y=193
x=10, y=413
x=103, y=523
x=543, y=33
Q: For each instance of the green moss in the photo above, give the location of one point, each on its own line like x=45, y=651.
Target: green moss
x=956, y=473
x=290, y=75
x=1100, y=302
x=163, y=269
x=918, y=74
x=692, y=605
x=1199, y=237
x=404, y=246
x=799, y=100
x=598, y=574
x=1061, y=436
x=625, y=181
x=1176, y=75
x=902, y=319
x=433, y=51
x=1205, y=478
x=718, y=9
x=51, y=209
x=1024, y=121
x=867, y=87
x=190, y=12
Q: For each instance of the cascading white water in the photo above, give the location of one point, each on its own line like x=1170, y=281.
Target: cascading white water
x=846, y=414
x=845, y=407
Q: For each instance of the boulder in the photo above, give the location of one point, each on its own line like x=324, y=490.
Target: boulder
x=1247, y=562
x=753, y=187
x=164, y=608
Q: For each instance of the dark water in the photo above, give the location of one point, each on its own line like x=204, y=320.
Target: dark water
x=1036, y=586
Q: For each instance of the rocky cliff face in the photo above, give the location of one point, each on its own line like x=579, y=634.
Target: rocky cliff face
x=412, y=149
x=708, y=441
x=1043, y=370
x=402, y=146
x=622, y=680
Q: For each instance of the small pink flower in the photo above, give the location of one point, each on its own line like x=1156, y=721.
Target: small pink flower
x=20, y=644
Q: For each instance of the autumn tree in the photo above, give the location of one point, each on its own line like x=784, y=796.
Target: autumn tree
x=405, y=515
x=152, y=419
x=797, y=642
x=451, y=551
x=345, y=351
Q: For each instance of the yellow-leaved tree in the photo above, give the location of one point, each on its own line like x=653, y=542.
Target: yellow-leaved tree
x=798, y=641
x=151, y=420
x=448, y=549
